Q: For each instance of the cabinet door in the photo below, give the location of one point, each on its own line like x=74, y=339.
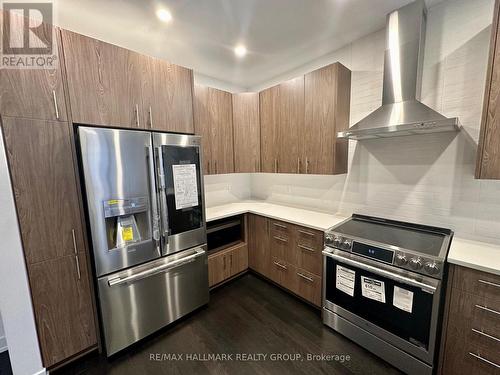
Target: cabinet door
x=269, y=125
x=63, y=309
x=488, y=155
x=34, y=93
x=246, y=132
x=168, y=97
x=203, y=125
x=218, y=268
x=259, y=255
x=43, y=179
x=238, y=260
x=308, y=286
x=309, y=244
x=222, y=142
x=327, y=101
x=105, y=82
x=291, y=124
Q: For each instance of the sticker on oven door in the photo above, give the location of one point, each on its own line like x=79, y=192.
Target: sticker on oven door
x=185, y=185
x=403, y=299
x=373, y=289
x=345, y=280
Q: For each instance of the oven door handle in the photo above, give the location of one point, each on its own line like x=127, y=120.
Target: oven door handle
x=390, y=275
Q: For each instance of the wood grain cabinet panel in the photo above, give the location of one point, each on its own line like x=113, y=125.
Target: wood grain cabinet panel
x=309, y=244
x=308, y=286
x=218, y=270
x=238, y=260
x=43, y=179
x=63, y=308
x=34, y=93
x=327, y=106
x=227, y=263
x=168, y=97
x=105, y=82
x=214, y=122
x=269, y=129
x=246, y=132
x=259, y=254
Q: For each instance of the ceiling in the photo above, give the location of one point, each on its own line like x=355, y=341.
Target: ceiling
x=280, y=35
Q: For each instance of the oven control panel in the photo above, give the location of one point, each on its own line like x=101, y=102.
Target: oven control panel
x=401, y=259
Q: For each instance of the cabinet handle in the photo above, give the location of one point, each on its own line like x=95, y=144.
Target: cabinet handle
x=216, y=169
x=256, y=166
x=224, y=260
x=150, y=117
x=279, y=225
x=485, y=335
x=489, y=283
x=487, y=309
x=275, y=165
x=307, y=165
x=310, y=279
x=307, y=248
x=280, y=265
x=209, y=167
x=137, y=115
x=484, y=360
x=75, y=249
x=56, y=107
x=298, y=165
x=280, y=239
x=78, y=267
x=306, y=233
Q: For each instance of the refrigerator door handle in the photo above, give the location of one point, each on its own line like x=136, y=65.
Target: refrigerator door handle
x=155, y=270
x=162, y=194
x=154, y=197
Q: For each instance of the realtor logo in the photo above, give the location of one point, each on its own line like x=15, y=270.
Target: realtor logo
x=28, y=36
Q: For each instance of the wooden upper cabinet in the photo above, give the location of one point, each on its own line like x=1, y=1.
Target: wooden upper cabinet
x=34, y=93
x=105, y=82
x=168, y=97
x=291, y=124
x=269, y=126
x=44, y=183
x=43, y=180
x=488, y=156
x=246, y=132
x=327, y=103
x=214, y=122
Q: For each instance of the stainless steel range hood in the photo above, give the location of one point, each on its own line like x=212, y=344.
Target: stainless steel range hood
x=401, y=112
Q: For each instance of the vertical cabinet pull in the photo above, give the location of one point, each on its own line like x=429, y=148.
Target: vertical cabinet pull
x=298, y=165
x=137, y=115
x=78, y=267
x=150, y=117
x=275, y=165
x=208, y=167
x=307, y=165
x=54, y=96
x=75, y=249
x=216, y=169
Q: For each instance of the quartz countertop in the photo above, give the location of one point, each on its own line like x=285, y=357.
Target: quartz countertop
x=478, y=255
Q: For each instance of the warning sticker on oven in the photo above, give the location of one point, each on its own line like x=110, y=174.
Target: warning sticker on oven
x=403, y=299
x=345, y=280
x=373, y=289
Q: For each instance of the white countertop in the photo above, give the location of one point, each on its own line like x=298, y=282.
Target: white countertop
x=307, y=218
x=481, y=256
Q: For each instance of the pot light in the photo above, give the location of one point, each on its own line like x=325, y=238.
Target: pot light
x=164, y=15
x=240, y=50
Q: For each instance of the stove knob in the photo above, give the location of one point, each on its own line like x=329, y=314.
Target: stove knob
x=346, y=245
x=329, y=238
x=415, y=263
x=401, y=260
x=337, y=241
x=431, y=268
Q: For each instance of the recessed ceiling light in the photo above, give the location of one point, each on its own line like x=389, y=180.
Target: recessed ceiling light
x=240, y=50
x=164, y=15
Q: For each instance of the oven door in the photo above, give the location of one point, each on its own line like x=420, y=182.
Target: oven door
x=180, y=191
x=398, y=306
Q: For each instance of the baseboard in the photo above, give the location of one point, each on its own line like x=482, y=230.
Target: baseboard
x=3, y=344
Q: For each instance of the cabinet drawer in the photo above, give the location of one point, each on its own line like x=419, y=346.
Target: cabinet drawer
x=308, y=286
x=309, y=258
x=281, y=229
x=283, y=273
x=476, y=282
x=309, y=237
x=282, y=248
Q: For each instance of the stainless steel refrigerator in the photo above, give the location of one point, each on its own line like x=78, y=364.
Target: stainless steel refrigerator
x=145, y=206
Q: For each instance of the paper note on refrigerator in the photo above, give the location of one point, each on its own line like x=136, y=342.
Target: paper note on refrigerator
x=185, y=185
x=373, y=289
x=345, y=280
x=403, y=299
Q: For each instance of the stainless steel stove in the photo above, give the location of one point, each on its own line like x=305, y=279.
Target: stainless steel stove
x=383, y=287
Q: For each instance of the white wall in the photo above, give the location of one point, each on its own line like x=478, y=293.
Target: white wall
x=15, y=299
x=227, y=188
x=427, y=178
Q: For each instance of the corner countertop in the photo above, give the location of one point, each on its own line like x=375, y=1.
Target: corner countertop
x=478, y=255
x=299, y=216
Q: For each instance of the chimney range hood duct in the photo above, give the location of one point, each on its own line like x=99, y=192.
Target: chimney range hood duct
x=401, y=113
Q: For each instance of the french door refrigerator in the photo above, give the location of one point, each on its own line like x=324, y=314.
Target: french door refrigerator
x=145, y=206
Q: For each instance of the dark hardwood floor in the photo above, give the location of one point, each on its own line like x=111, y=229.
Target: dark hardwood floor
x=247, y=316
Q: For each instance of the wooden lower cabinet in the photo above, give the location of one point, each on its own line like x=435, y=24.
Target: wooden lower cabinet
x=289, y=255
x=227, y=263
x=472, y=326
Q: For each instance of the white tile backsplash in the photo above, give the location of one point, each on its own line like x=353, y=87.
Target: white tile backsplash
x=427, y=178
x=226, y=188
